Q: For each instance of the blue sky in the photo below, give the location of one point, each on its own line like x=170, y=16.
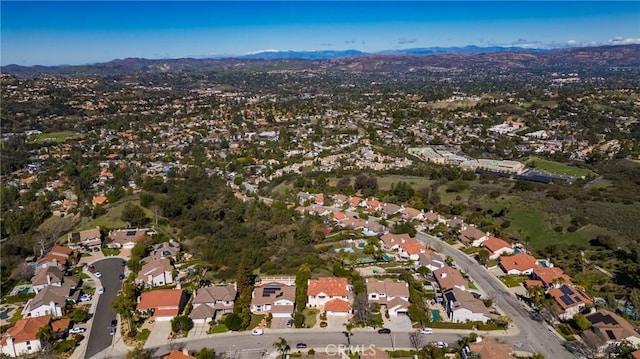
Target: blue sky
x=80, y=32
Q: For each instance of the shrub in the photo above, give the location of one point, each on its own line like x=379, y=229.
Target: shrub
x=233, y=321
x=323, y=324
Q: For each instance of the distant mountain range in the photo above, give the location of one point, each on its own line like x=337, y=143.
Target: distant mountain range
x=334, y=54
x=462, y=58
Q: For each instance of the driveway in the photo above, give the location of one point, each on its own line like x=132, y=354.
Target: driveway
x=336, y=322
x=99, y=337
x=400, y=323
x=279, y=323
x=159, y=334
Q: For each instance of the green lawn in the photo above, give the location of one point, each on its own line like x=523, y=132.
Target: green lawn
x=513, y=280
x=111, y=220
x=53, y=136
x=255, y=320
x=558, y=168
x=110, y=252
x=218, y=329
x=143, y=335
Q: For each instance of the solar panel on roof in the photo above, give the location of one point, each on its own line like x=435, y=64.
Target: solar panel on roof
x=131, y=233
x=566, y=290
x=577, y=299
x=566, y=300
x=611, y=335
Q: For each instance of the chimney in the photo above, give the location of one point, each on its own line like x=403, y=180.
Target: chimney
x=48, y=279
x=443, y=275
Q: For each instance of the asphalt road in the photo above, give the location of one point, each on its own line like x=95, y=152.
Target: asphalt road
x=534, y=336
x=234, y=343
x=99, y=337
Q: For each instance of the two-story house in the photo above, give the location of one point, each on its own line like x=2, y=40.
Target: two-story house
x=394, y=296
x=462, y=306
x=274, y=297
x=155, y=273
x=324, y=289
x=164, y=304
x=570, y=300
x=22, y=338
x=212, y=302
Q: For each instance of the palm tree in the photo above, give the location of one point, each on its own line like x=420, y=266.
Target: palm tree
x=281, y=345
x=348, y=333
x=536, y=293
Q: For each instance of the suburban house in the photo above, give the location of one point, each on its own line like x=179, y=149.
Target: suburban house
x=46, y=303
x=22, y=338
x=165, y=304
x=324, y=289
x=212, y=302
x=337, y=308
x=570, y=300
x=54, y=277
x=520, y=263
x=410, y=249
x=488, y=348
x=393, y=295
x=274, y=297
x=472, y=236
x=462, y=306
x=155, y=272
x=449, y=277
x=88, y=238
x=550, y=276
x=58, y=256
x=391, y=241
x=373, y=228
x=496, y=247
x=410, y=214
x=372, y=205
x=608, y=328
x=340, y=199
x=431, y=260
x=126, y=238
x=354, y=202
x=389, y=209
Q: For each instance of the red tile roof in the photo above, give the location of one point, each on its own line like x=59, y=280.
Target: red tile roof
x=337, y=305
x=494, y=244
x=330, y=286
x=576, y=297
x=161, y=298
x=25, y=329
x=520, y=261
x=176, y=354
x=548, y=274
x=60, y=325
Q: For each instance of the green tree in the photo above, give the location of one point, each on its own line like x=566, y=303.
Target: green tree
x=126, y=301
x=233, y=321
x=79, y=315
x=134, y=215
x=483, y=256
x=582, y=322
x=302, y=282
x=281, y=345
x=181, y=324
x=206, y=353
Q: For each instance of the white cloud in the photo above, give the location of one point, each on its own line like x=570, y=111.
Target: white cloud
x=261, y=51
x=572, y=42
x=619, y=40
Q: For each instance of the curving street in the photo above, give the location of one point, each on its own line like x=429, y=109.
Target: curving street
x=534, y=336
x=99, y=338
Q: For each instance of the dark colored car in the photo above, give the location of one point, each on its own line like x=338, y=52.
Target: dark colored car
x=290, y=323
x=384, y=331
x=301, y=346
x=121, y=277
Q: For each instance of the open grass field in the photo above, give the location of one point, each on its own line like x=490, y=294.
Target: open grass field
x=53, y=136
x=111, y=220
x=530, y=222
x=558, y=168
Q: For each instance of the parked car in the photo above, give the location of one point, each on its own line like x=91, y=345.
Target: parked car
x=441, y=344
x=77, y=330
x=97, y=274
x=112, y=330
x=257, y=331
x=290, y=323
x=301, y=346
x=426, y=331
x=100, y=290
x=84, y=298
x=121, y=277
x=384, y=331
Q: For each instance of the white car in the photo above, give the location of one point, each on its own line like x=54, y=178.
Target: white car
x=426, y=331
x=257, y=331
x=97, y=274
x=84, y=298
x=77, y=330
x=100, y=290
